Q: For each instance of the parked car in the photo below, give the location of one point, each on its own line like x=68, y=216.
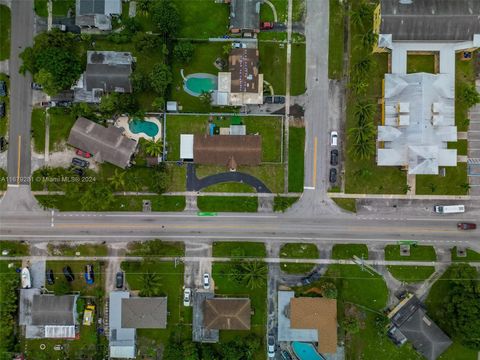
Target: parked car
x=334, y=138
x=268, y=99
x=286, y=355
x=466, y=226
x=239, y=45
x=78, y=171
x=206, y=281
x=334, y=157
x=63, y=103
x=3, y=88
x=80, y=162
x=84, y=154
x=89, y=274
x=333, y=175
x=47, y=103
x=279, y=99
x=49, y=277
x=2, y=109
x=67, y=272
x=187, y=293
x=266, y=25
x=271, y=347
x=36, y=86
x=119, y=280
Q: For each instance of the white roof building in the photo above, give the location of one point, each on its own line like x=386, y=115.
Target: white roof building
x=186, y=146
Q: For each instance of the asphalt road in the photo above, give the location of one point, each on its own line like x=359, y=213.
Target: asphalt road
x=19, y=166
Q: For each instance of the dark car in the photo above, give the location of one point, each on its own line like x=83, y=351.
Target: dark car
x=119, y=280
x=89, y=274
x=80, y=162
x=3, y=88
x=78, y=171
x=333, y=175
x=36, y=86
x=334, y=157
x=279, y=99
x=2, y=109
x=268, y=100
x=306, y=281
x=466, y=226
x=63, y=103
x=49, y=277
x=67, y=272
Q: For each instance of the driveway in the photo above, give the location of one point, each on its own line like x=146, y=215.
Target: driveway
x=194, y=269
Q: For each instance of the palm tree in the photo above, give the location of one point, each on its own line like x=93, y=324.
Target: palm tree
x=364, y=149
x=154, y=148
x=364, y=131
x=363, y=67
x=206, y=97
x=143, y=6
x=358, y=86
x=364, y=111
x=361, y=14
x=254, y=273
x=118, y=180
x=150, y=284
x=368, y=39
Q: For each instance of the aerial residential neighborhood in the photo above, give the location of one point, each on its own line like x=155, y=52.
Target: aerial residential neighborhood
x=240, y=179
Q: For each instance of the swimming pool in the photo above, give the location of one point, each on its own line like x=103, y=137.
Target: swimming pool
x=195, y=84
x=138, y=126
x=306, y=351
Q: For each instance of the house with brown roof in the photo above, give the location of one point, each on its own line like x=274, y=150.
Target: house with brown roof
x=227, y=314
x=227, y=149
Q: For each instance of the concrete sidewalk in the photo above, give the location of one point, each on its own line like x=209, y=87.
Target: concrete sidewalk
x=403, y=196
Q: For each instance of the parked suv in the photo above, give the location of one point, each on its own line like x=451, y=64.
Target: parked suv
x=119, y=280
x=80, y=162
x=2, y=109
x=334, y=157
x=67, y=272
x=49, y=277
x=3, y=88
x=333, y=175
x=89, y=274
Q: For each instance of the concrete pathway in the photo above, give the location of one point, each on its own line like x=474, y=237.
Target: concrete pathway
x=287, y=94
x=412, y=184
x=47, y=137
x=400, y=196
x=265, y=205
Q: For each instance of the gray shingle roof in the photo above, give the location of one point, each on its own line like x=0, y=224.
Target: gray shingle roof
x=53, y=310
x=144, y=313
x=245, y=14
x=109, y=71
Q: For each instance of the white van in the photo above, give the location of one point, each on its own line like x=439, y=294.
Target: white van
x=449, y=209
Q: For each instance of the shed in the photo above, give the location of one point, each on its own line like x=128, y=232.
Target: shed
x=186, y=146
x=172, y=106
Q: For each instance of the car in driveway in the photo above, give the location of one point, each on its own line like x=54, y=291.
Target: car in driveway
x=80, y=162
x=36, y=86
x=67, y=272
x=78, y=171
x=333, y=175
x=271, y=347
x=466, y=226
x=119, y=280
x=49, y=277
x=334, y=157
x=89, y=274
x=187, y=294
x=3, y=88
x=84, y=154
x=2, y=109
x=334, y=138
x=206, y=281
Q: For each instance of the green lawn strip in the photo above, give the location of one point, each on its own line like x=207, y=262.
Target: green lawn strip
x=5, y=120
x=15, y=248
x=227, y=203
x=411, y=274
x=297, y=81
x=177, y=176
x=346, y=204
x=282, y=203
x=336, y=39
x=347, y=251
x=41, y=8
x=66, y=249
x=238, y=249
x=461, y=145
x=471, y=255
x=420, y=63
x=455, y=182
x=298, y=251
x=3, y=180
x=296, y=154
x=233, y=187
x=273, y=65
x=417, y=253
x=464, y=75
x=61, y=122
x=170, y=278
x=61, y=7
x=4, y=32
x=122, y=203
x=298, y=10
x=38, y=130
x=156, y=247
x=79, y=284
x=272, y=35
x=9, y=284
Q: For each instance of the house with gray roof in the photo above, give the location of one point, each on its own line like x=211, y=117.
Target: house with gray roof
x=96, y=14
x=245, y=16
x=106, y=144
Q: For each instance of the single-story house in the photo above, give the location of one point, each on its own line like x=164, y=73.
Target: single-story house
x=308, y=319
x=106, y=72
x=222, y=149
x=48, y=316
x=245, y=16
x=127, y=314
x=107, y=144
x=409, y=320
x=96, y=14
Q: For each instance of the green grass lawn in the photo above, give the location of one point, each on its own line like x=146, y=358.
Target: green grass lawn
x=417, y=253
x=40, y=7
x=461, y=146
x=282, y=203
x=38, y=130
x=177, y=177
x=346, y=204
x=411, y=274
x=457, y=351
x=61, y=7
x=420, y=63
x=455, y=182
x=296, y=154
x=156, y=247
x=297, y=70
x=66, y=249
x=336, y=39
x=15, y=248
x=233, y=187
x=182, y=124
x=347, y=251
x=298, y=10
x=464, y=75
x=239, y=250
x=298, y=251
x=61, y=122
x=471, y=255
x=3, y=180
x=5, y=120
x=78, y=269
x=227, y=203
x=4, y=32
x=281, y=6
x=9, y=284
x=273, y=59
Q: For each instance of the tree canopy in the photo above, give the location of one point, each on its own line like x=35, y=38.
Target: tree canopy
x=166, y=17
x=160, y=78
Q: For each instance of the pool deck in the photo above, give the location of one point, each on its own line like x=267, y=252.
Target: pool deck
x=122, y=122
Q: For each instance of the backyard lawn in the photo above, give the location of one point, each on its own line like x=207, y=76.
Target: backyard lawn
x=420, y=63
x=297, y=70
x=296, y=154
x=336, y=39
x=4, y=32
x=273, y=59
x=347, y=251
x=455, y=182
x=411, y=274
x=417, y=253
x=239, y=249
x=227, y=203
x=471, y=255
x=298, y=251
x=464, y=76
x=461, y=145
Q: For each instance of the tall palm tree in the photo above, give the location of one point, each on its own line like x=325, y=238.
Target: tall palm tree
x=364, y=111
x=150, y=284
x=361, y=14
x=363, y=67
x=254, y=273
x=118, y=180
x=368, y=39
x=143, y=6
x=154, y=148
